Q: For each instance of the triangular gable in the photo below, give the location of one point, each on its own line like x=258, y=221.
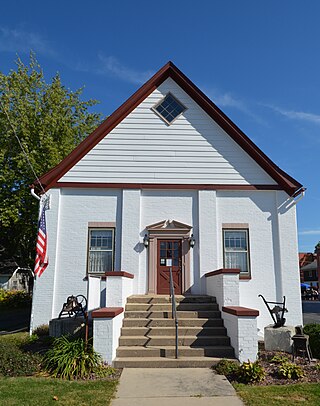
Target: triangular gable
x=284, y=181
x=172, y=225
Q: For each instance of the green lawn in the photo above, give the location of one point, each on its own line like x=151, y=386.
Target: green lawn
x=42, y=391
x=286, y=395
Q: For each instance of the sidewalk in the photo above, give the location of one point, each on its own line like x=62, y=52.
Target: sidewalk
x=174, y=386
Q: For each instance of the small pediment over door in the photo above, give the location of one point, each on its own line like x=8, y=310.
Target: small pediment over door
x=169, y=226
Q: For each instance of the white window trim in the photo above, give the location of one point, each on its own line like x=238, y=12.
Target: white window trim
x=246, y=274
x=107, y=250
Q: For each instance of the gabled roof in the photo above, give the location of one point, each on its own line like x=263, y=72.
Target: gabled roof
x=286, y=182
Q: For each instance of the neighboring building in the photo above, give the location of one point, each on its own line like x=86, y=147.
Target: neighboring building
x=166, y=171
x=310, y=268
x=305, y=258
x=15, y=277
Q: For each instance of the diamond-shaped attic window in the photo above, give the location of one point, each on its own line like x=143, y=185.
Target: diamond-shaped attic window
x=169, y=108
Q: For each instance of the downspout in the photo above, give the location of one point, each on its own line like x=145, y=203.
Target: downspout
x=34, y=194
x=300, y=192
x=34, y=276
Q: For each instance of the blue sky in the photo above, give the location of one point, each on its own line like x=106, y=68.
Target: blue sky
x=259, y=61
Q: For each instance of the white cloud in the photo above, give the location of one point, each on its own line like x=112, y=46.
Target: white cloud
x=296, y=115
x=229, y=100
x=113, y=67
x=18, y=40
x=310, y=232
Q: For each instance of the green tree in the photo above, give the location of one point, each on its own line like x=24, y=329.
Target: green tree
x=50, y=121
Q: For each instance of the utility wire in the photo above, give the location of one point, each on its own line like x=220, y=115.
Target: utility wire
x=21, y=146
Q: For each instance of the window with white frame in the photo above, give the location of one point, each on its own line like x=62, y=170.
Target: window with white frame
x=236, y=250
x=101, y=250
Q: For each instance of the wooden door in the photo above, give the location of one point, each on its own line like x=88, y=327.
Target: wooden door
x=169, y=256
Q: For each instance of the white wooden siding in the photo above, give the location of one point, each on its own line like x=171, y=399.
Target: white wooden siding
x=143, y=149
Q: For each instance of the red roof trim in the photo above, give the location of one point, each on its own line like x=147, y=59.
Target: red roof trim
x=287, y=183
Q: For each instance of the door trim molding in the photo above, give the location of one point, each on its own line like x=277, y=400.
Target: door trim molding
x=167, y=229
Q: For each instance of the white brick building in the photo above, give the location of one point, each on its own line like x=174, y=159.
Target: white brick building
x=166, y=168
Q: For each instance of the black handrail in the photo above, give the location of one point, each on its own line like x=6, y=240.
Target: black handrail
x=174, y=310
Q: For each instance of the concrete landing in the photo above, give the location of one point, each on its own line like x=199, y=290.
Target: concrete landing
x=174, y=386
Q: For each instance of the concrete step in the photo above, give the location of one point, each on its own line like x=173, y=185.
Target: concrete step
x=170, y=331
x=152, y=299
x=193, y=341
x=133, y=322
x=182, y=362
x=206, y=314
x=169, y=351
x=143, y=307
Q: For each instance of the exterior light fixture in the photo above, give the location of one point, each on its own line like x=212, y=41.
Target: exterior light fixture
x=192, y=241
x=146, y=240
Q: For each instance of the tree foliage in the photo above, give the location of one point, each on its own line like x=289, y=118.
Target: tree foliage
x=50, y=121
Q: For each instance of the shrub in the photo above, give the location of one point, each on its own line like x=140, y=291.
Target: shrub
x=14, y=298
x=15, y=362
x=73, y=359
x=226, y=367
x=313, y=331
x=250, y=372
x=317, y=367
x=289, y=370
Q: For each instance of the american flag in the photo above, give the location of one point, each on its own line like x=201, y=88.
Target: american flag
x=41, y=247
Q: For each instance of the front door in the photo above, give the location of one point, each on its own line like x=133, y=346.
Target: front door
x=169, y=256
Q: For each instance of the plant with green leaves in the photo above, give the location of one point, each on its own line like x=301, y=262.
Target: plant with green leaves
x=279, y=359
x=289, y=370
x=250, y=372
x=14, y=299
x=313, y=331
x=72, y=358
x=50, y=120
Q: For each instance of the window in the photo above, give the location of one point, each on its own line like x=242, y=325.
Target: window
x=101, y=249
x=169, y=108
x=236, y=250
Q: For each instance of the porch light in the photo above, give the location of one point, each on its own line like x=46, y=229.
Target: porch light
x=146, y=240
x=192, y=241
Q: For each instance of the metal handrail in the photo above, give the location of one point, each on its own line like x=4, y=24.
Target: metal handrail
x=174, y=310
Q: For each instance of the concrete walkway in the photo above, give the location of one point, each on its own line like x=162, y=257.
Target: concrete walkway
x=174, y=386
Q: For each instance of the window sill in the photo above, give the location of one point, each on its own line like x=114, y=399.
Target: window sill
x=245, y=277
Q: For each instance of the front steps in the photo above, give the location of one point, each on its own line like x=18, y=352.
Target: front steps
x=148, y=333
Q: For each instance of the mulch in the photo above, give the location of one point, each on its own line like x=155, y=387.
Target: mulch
x=311, y=373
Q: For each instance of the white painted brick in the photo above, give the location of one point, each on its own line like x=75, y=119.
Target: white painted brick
x=106, y=333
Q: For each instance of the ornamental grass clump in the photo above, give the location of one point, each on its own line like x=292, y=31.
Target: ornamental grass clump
x=72, y=358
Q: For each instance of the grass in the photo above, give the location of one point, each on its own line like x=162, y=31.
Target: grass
x=17, y=338
x=280, y=395
x=48, y=391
